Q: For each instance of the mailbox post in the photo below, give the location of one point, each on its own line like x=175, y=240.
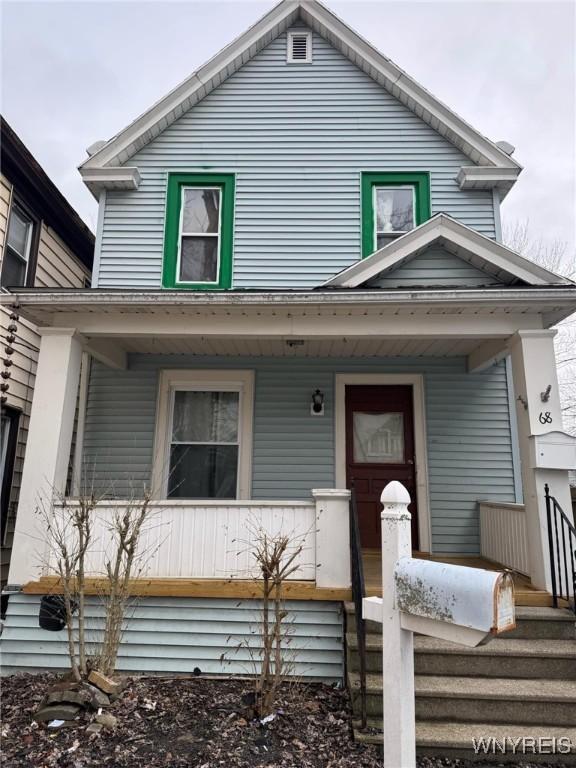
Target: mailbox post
x=452, y=602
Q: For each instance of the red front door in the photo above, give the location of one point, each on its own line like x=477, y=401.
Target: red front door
x=379, y=448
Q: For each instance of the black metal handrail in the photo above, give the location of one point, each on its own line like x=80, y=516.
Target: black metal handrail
x=562, y=546
x=358, y=592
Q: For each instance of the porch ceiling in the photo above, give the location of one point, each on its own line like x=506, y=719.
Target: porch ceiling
x=301, y=348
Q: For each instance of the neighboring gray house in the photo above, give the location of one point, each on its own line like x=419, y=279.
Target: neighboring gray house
x=299, y=286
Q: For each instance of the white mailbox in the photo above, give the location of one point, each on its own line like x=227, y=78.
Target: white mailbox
x=554, y=450
x=452, y=602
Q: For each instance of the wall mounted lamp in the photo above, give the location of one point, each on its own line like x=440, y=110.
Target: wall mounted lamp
x=317, y=405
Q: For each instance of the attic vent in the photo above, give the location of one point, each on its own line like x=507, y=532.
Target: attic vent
x=299, y=47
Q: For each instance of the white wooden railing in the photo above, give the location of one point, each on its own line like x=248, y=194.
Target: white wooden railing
x=216, y=539
x=503, y=535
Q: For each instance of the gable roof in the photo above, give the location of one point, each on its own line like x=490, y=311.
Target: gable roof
x=33, y=183
x=479, y=250
x=480, y=150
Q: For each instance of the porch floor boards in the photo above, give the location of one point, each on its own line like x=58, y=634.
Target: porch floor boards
x=214, y=588
x=524, y=592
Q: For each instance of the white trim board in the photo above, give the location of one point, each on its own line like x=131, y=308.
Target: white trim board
x=416, y=381
x=151, y=123
x=172, y=379
x=443, y=227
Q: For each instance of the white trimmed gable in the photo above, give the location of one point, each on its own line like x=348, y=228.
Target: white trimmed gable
x=436, y=266
x=481, y=151
x=480, y=252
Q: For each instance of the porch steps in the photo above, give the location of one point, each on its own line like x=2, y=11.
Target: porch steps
x=520, y=684
x=455, y=740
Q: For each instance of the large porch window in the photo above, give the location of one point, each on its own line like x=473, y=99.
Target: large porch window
x=204, y=435
x=204, y=445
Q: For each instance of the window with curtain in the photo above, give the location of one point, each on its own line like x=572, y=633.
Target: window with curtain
x=199, y=231
x=204, y=445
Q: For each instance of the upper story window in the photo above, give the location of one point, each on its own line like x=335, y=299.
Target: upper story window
x=199, y=231
x=17, y=263
x=392, y=204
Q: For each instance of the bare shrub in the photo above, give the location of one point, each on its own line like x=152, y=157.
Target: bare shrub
x=70, y=537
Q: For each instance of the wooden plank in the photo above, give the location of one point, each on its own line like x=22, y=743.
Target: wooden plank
x=233, y=588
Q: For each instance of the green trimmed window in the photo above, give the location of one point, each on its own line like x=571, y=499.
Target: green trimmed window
x=199, y=231
x=392, y=204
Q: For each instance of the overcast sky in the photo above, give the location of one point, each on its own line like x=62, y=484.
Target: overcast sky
x=76, y=72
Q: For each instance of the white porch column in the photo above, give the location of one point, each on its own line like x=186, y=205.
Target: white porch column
x=332, y=537
x=48, y=445
x=534, y=370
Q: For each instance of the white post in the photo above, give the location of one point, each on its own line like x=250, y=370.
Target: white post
x=397, y=643
x=332, y=537
x=535, y=376
x=47, y=447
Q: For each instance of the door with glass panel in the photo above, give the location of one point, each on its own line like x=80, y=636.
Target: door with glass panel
x=204, y=444
x=379, y=448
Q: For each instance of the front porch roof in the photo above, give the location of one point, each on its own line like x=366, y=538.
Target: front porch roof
x=52, y=306
x=314, y=323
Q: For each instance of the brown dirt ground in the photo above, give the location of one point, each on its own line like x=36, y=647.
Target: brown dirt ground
x=189, y=721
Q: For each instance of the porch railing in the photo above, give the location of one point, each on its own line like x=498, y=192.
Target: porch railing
x=562, y=545
x=207, y=539
x=358, y=592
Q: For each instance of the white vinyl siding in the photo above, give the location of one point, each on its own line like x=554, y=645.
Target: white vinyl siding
x=297, y=138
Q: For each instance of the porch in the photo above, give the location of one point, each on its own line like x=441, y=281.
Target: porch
x=473, y=369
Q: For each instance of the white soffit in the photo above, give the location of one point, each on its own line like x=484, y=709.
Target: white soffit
x=477, y=248
x=151, y=123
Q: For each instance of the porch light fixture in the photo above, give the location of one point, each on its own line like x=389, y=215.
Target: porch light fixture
x=317, y=406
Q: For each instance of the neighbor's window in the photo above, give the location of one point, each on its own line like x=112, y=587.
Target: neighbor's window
x=204, y=445
x=392, y=204
x=18, y=248
x=199, y=224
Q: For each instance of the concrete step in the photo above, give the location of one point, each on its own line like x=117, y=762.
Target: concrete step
x=537, y=623
x=546, y=659
x=456, y=741
x=543, y=624
x=550, y=659
x=469, y=699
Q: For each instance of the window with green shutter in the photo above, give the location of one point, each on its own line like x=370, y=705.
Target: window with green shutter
x=199, y=231
x=392, y=204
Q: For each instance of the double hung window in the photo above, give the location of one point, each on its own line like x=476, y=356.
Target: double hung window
x=392, y=204
x=16, y=264
x=204, y=434
x=199, y=231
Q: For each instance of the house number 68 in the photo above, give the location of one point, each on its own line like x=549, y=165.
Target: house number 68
x=545, y=418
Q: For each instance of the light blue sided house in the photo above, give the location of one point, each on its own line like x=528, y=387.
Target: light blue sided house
x=299, y=287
